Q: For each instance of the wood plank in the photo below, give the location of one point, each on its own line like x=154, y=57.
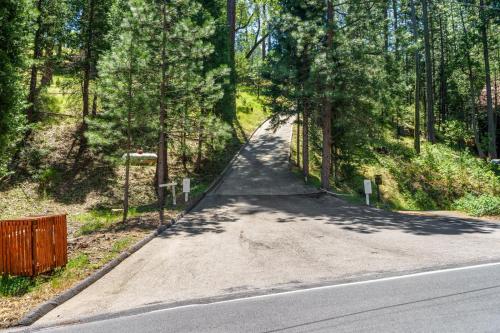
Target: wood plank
x=33, y=245
x=2, y=249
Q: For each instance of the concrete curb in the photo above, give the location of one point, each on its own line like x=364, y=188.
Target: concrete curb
x=51, y=304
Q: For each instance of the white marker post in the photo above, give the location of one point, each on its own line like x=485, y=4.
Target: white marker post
x=368, y=190
x=172, y=185
x=186, y=188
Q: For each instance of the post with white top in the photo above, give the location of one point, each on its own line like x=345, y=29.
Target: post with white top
x=186, y=188
x=368, y=190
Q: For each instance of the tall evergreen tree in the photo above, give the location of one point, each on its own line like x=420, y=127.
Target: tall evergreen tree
x=492, y=126
x=125, y=89
x=429, y=85
x=13, y=29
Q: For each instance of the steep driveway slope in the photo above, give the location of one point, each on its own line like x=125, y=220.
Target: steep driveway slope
x=262, y=168
x=262, y=230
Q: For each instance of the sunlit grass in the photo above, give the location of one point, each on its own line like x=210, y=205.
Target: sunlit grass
x=250, y=110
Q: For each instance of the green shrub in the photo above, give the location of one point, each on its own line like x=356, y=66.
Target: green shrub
x=455, y=133
x=439, y=176
x=47, y=178
x=479, y=205
x=15, y=285
x=81, y=261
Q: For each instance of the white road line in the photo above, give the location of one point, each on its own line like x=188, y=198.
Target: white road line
x=446, y=270
x=399, y=277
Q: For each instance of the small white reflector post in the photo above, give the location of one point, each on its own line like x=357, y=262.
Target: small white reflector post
x=368, y=190
x=186, y=188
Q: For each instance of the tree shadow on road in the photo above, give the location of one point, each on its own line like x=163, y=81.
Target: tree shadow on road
x=214, y=213
x=366, y=220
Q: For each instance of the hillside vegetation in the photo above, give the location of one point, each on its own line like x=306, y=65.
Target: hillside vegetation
x=439, y=178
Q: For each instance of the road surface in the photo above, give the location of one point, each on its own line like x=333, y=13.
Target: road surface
x=463, y=300
x=262, y=231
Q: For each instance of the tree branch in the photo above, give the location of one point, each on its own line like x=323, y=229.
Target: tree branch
x=257, y=43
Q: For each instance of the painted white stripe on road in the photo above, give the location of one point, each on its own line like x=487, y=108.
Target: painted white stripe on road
x=348, y=284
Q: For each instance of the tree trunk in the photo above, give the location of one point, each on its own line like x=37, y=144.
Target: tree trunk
x=443, y=90
x=477, y=137
x=200, y=143
x=264, y=46
x=129, y=147
x=162, y=141
x=184, y=134
x=48, y=68
x=417, y=79
x=492, y=142
x=396, y=27
x=94, y=105
x=305, y=142
x=231, y=21
x=428, y=73
x=298, y=138
x=88, y=60
x=385, y=15
x=37, y=53
x=326, y=159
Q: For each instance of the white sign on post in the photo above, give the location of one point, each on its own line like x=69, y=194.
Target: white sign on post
x=186, y=188
x=368, y=190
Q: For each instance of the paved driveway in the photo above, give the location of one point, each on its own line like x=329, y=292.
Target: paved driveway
x=262, y=230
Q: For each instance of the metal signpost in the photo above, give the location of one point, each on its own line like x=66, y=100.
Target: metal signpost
x=368, y=190
x=186, y=188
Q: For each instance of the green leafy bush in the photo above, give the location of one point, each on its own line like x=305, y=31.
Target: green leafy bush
x=47, y=178
x=15, y=285
x=438, y=177
x=455, y=133
x=479, y=205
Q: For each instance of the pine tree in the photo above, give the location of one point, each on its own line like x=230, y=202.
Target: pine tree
x=13, y=27
x=183, y=45
x=140, y=101
x=49, y=34
x=124, y=88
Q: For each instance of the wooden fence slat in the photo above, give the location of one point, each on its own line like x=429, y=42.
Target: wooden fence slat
x=1, y=248
x=33, y=245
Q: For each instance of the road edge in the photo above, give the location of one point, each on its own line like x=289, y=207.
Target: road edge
x=44, y=308
x=280, y=290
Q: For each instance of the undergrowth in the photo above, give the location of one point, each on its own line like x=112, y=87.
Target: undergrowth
x=483, y=205
x=15, y=285
x=440, y=177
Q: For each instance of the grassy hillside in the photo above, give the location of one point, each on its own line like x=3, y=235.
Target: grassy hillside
x=439, y=178
x=250, y=112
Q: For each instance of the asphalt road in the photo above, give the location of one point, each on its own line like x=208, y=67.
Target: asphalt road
x=262, y=230
x=457, y=300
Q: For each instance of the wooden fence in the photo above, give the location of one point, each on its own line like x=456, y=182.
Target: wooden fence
x=33, y=245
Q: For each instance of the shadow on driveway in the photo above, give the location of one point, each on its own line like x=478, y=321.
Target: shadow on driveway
x=216, y=211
